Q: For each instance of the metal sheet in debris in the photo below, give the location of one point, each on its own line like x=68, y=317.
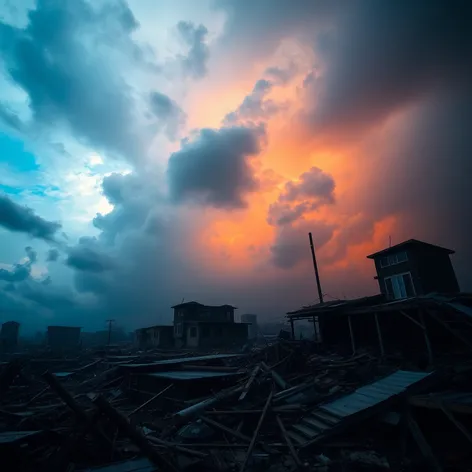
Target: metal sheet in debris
x=63, y=374
x=191, y=374
x=375, y=393
x=13, y=436
x=181, y=360
x=138, y=465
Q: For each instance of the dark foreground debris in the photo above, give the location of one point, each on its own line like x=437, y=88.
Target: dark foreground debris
x=285, y=406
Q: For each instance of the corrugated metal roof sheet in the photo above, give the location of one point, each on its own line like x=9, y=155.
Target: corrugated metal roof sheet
x=191, y=374
x=13, y=436
x=181, y=360
x=138, y=465
x=375, y=393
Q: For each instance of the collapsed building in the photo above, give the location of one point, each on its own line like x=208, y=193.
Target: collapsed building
x=385, y=386
x=196, y=326
x=419, y=309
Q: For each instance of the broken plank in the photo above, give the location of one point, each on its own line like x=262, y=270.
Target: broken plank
x=134, y=434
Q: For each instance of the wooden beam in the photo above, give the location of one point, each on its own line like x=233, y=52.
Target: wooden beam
x=136, y=436
x=351, y=334
x=417, y=323
x=225, y=429
x=251, y=379
x=256, y=432
x=453, y=420
x=379, y=334
x=425, y=448
x=150, y=400
x=426, y=337
x=277, y=378
x=287, y=439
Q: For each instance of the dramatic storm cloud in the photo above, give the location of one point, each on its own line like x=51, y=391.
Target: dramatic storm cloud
x=313, y=189
x=22, y=219
x=240, y=128
x=68, y=80
x=215, y=167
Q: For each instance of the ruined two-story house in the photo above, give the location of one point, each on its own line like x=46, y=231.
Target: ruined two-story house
x=198, y=325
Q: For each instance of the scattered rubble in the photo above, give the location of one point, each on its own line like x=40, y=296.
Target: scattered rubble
x=283, y=406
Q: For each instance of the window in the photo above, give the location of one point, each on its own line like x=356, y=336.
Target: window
x=178, y=329
x=399, y=286
x=228, y=315
x=402, y=257
x=393, y=259
x=384, y=262
x=193, y=332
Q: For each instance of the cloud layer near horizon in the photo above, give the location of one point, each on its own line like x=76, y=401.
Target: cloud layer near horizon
x=352, y=123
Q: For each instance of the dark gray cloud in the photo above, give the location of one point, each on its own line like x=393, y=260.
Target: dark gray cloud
x=55, y=59
x=387, y=55
x=49, y=296
x=88, y=258
x=313, y=189
x=255, y=106
x=19, y=273
x=52, y=255
x=425, y=179
x=256, y=28
x=132, y=200
x=169, y=115
x=32, y=254
x=291, y=244
x=22, y=219
x=215, y=167
x=195, y=62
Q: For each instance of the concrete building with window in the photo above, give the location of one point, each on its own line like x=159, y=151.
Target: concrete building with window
x=204, y=326
x=414, y=268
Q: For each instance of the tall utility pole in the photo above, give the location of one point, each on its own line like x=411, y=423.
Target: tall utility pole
x=109, y=330
x=315, y=265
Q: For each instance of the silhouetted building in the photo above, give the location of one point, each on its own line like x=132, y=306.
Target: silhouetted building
x=63, y=338
x=198, y=325
x=155, y=337
x=414, y=268
x=9, y=336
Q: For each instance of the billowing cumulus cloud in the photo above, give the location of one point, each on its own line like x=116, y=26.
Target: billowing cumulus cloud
x=215, y=167
x=255, y=106
x=22, y=219
x=52, y=255
x=85, y=257
x=313, y=189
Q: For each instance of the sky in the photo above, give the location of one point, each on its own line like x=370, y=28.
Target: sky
x=154, y=151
